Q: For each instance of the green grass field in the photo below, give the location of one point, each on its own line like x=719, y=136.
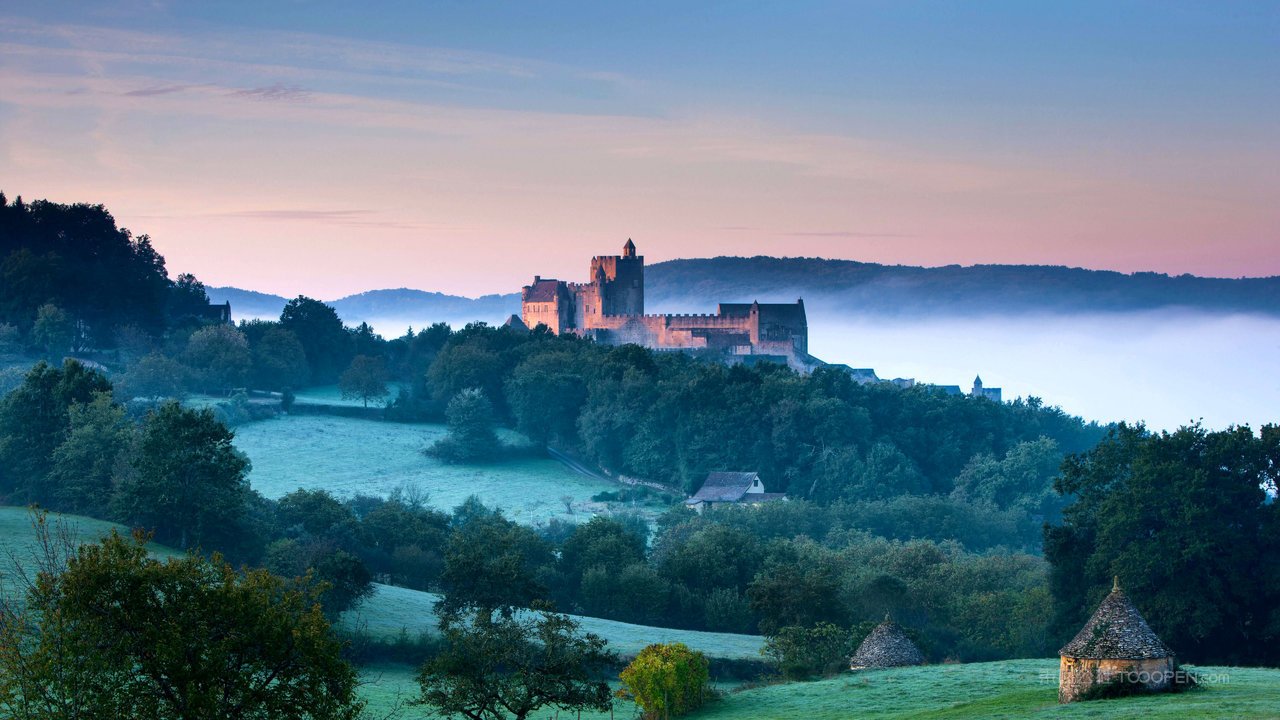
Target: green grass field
x=989, y=691
x=18, y=538
x=393, y=608
x=331, y=395
x=1009, y=690
x=347, y=456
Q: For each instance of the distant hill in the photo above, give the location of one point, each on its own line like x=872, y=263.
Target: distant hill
x=401, y=306
x=248, y=304
x=868, y=288
x=417, y=306
x=843, y=286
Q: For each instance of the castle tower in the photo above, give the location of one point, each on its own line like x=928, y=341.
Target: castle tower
x=620, y=279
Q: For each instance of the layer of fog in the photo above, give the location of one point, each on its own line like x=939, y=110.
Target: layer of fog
x=1164, y=368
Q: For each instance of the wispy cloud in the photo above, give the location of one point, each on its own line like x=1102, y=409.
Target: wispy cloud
x=274, y=93
x=156, y=90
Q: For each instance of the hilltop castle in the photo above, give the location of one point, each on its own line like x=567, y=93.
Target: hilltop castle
x=610, y=309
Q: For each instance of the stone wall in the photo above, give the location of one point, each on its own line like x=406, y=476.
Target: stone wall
x=1076, y=675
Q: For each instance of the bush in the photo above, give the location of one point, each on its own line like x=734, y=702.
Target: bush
x=803, y=652
x=667, y=679
x=471, y=435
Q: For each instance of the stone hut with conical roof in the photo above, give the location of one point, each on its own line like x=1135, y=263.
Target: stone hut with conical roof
x=886, y=646
x=1116, y=644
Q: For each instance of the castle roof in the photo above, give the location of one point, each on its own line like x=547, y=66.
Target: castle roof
x=1116, y=631
x=725, y=487
x=542, y=291
x=886, y=646
x=515, y=323
x=791, y=314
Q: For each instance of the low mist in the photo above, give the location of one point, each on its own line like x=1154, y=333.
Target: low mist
x=1165, y=368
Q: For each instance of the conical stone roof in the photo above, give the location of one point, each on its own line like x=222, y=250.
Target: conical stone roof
x=886, y=646
x=1116, y=631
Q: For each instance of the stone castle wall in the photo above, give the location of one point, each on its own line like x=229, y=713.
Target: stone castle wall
x=610, y=308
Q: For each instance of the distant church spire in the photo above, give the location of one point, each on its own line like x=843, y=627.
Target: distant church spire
x=629, y=250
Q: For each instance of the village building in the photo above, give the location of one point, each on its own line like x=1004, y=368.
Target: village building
x=885, y=647
x=722, y=488
x=1116, y=644
x=216, y=314
x=610, y=309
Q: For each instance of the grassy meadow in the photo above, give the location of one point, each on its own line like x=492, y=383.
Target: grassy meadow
x=332, y=395
x=393, y=609
x=18, y=538
x=349, y=456
x=1009, y=690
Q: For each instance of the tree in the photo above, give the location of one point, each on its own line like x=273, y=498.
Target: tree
x=188, y=300
x=803, y=652
x=1185, y=520
x=54, y=332
x=279, y=360
x=219, y=357
x=117, y=634
x=545, y=394
x=74, y=257
x=347, y=581
x=325, y=341
x=85, y=463
x=600, y=542
x=34, y=420
x=470, y=425
x=667, y=679
x=315, y=511
x=492, y=563
x=187, y=481
x=155, y=376
x=365, y=379
x=496, y=667
x=796, y=591
x=10, y=339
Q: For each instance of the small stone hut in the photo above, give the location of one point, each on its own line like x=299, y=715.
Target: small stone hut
x=886, y=646
x=1116, y=644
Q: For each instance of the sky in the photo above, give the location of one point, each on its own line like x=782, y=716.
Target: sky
x=330, y=148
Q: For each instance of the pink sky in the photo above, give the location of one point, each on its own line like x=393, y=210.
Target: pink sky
x=252, y=164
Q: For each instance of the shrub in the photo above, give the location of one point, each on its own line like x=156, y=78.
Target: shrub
x=667, y=679
x=803, y=652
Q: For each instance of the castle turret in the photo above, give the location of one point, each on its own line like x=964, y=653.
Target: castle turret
x=620, y=279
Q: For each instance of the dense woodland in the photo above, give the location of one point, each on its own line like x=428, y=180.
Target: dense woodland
x=991, y=529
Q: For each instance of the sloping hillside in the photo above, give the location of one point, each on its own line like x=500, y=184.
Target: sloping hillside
x=394, y=608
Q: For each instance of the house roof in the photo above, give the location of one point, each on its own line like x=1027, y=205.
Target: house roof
x=791, y=314
x=542, y=291
x=886, y=646
x=724, y=487
x=1116, y=631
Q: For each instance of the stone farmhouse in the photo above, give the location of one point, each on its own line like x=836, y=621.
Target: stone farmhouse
x=610, y=309
x=722, y=488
